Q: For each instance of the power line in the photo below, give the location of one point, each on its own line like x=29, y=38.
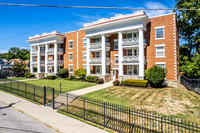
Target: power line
x=95, y=7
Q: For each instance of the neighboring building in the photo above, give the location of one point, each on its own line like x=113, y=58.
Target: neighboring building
x=120, y=47
x=5, y=68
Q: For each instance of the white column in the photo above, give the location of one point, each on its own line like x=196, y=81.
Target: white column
x=141, y=53
x=46, y=58
x=120, y=53
x=31, y=59
x=55, y=58
x=103, y=50
x=38, y=59
x=88, y=56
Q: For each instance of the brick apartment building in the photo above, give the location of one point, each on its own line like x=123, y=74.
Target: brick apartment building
x=120, y=47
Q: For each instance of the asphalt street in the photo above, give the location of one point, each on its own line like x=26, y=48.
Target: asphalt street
x=12, y=121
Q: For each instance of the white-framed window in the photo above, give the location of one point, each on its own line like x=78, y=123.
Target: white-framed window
x=84, y=42
x=70, y=44
x=116, y=59
x=107, y=69
x=85, y=66
x=98, y=69
x=135, y=52
x=42, y=48
x=159, y=32
x=132, y=69
x=97, y=54
x=84, y=56
x=70, y=68
x=60, y=57
x=116, y=44
x=107, y=54
x=107, y=39
x=160, y=50
x=131, y=35
x=97, y=39
x=34, y=59
x=70, y=56
x=129, y=52
x=161, y=64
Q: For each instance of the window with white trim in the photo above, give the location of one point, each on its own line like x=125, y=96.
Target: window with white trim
x=85, y=67
x=97, y=54
x=70, y=44
x=98, y=69
x=107, y=69
x=160, y=51
x=116, y=59
x=129, y=52
x=132, y=69
x=107, y=54
x=84, y=56
x=70, y=56
x=60, y=57
x=115, y=44
x=161, y=64
x=84, y=42
x=159, y=33
x=70, y=68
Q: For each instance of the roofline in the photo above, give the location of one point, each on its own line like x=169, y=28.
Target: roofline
x=113, y=20
x=45, y=36
x=162, y=15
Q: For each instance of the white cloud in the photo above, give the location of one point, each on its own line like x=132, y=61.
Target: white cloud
x=152, y=5
x=3, y=51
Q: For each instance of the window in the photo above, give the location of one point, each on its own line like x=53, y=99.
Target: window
x=116, y=59
x=129, y=35
x=107, y=69
x=70, y=56
x=84, y=42
x=98, y=70
x=161, y=64
x=107, y=39
x=70, y=44
x=97, y=40
x=60, y=57
x=107, y=54
x=97, y=54
x=84, y=56
x=135, y=52
x=42, y=48
x=132, y=70
x=129, y=52
x=85, y=67
x=70, y=68
x=34, y=58
x=159, y=33
x=115, y=44
x=160, y=51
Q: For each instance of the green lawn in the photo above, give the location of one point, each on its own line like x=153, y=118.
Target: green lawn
x=17, y=78
x=67, y=85
x=179, y=102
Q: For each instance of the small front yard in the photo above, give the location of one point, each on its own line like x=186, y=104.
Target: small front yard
x=17, y=78
x=169, y=101
x=67, y=85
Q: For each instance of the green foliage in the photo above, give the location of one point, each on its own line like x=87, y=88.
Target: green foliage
x=116, y=82
x=19, y=67
x=93, y=79
x=63, y=73
x=67, y=79
x=81, y=73
x=100, y=81
x=28, y=75
x=136, y=83
x=155, y=75
x=191, y=68
x=51, y=77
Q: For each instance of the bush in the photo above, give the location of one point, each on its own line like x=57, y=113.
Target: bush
x=136, y=83
x=51, y=77
x=116, y=82
x=93, y=79
x=67, y=79
x=121, y=83
x=26, y=74
x=81, y=73
x=155, y=75
x=63, y=73
x=100, y=81
x=32, y=75
x=71, y=77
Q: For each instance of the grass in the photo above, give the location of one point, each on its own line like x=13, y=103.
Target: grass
x=177, y=102
x=17, y=78
x=67, y=85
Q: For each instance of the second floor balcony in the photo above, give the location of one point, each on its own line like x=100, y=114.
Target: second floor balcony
x=130, y=59
x=130, y=41
x=50, y=61
x=96, y=60
x=98, y=45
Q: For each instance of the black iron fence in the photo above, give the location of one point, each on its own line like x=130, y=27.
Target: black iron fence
x=42, y=95
x=124, y=119
x=191, y=84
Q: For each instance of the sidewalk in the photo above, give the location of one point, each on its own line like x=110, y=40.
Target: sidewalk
x=92, y=89
x=48, y=116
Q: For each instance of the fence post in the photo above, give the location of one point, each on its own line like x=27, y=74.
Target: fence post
x=17, y=87
x=67, y=102
x=161, y=124
x=25, y=90
x=34, y=93
x=84, y=107
x=60, y=88
x=104, y=114
x=44, y=96
x=129, y=120
x=53, y=102
x=5, y=83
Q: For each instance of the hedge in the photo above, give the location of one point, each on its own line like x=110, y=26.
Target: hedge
x=136, y=83
x=92, y=79
x=51, y=77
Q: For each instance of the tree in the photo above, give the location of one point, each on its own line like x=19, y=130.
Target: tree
x=19, y=67
x=63, y=73
x=81, y=73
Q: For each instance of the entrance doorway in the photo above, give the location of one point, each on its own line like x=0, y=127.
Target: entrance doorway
x=115, y=75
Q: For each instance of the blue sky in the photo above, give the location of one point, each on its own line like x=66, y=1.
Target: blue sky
x=17, y=20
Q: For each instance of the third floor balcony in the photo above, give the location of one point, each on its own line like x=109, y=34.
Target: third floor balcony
x=98, y=45
x=130, y=59
x=130, y=41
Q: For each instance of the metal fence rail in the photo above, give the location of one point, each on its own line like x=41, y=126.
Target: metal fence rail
x=191, y=84
x=124, y=119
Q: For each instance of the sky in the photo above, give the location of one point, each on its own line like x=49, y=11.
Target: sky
x=16, y=21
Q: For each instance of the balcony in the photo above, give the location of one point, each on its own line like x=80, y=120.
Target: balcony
x=96, y=60
x=34, y=62
x=98, y=45
x=130, y=59
x=51, y=50
x=130, y=41
x=42, y=62
x=50, y=61
x=60, y=62
x=60, y=50
x=42, y=52
x=34, y=52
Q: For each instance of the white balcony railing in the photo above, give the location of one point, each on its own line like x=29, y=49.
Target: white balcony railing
x=34, y=62
x=60, y=61
x=51, y=50
x=107, y=59
x=60, y=50
x=42, y=62
x=34, y=51
x=95, y=45
x=50, y=61
x=130, y=59
x=130, y=41
x=96, y=60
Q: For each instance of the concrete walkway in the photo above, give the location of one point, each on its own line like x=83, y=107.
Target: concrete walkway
x=48, y=116
x=92, y=89
x=18, y=80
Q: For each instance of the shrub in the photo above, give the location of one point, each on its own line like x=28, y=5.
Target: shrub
x=63, y=73
x=81, y=73
x=100, y=81
x=32, y=75
x=121, y=83
x=92, y=79
x=67, y=79
x=136, y=83
x=116, y=82
x=51, y=77
x=26, y=74
x=155, y=75
x=71, y=77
